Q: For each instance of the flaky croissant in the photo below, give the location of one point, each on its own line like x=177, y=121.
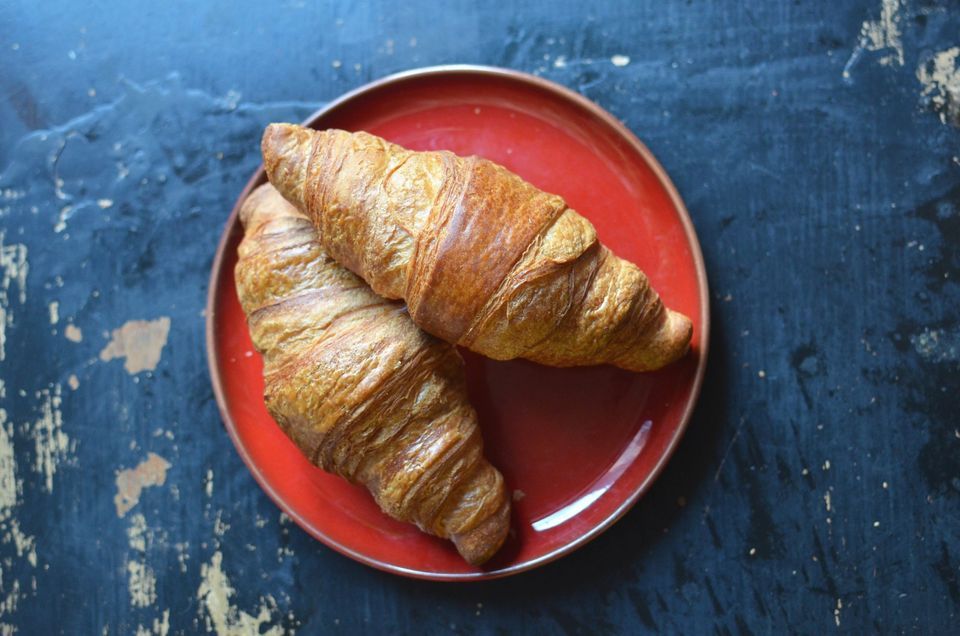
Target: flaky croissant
x=482, y=258
x=360, y=389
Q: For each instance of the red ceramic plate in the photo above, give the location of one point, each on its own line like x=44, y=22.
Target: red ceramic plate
x=577, y=446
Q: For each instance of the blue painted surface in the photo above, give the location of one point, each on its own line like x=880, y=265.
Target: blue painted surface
x=828, y=208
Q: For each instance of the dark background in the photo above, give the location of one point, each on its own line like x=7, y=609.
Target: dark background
x=816, y=144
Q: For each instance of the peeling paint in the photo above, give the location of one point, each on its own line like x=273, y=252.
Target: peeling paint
x=131, y=482
x=224, y=618
x=73, y=382
x=940, y=78
x=13, y=270
x=73, y=333
x=884, y=33
x=51, y=443
x=54, y=308
x=139, y=342
x=880, y=35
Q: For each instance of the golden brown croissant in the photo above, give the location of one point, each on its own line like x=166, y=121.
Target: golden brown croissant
x=483, y=259
x=360, y=389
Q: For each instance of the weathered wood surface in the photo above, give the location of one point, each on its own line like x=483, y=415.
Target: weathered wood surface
x=816, y=145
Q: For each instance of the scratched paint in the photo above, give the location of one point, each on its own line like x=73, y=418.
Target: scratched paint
x=141, y=579
x=85, y=269
x=143, y=584
x=24, y=545
x=10, y=600
x=159, y=627
x=13, y=273
x=224, y=618
x=937, y=345
x=65, y=213
x=183, y=555
x=141, y=576
x=139, y=342
x=51, y=444
x=10, y=488
x=790, y=176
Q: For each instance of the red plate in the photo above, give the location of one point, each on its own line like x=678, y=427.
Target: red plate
x=577, y=446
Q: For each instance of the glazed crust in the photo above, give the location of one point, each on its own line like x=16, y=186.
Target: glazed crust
x=360, y=389
x=482, y=258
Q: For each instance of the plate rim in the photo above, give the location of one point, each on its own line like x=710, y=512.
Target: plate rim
x=564, y=93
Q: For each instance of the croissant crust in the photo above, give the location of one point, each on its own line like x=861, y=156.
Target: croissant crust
x=482, y=258
x=360, y=389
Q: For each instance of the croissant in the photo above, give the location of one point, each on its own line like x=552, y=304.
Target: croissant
x=483, y=259
x=360, y=389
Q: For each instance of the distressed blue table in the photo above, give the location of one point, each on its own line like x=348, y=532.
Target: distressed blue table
x=816, y=145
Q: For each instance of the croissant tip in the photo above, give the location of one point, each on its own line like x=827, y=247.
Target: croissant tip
x=274, y=138
x=284, y=149
x=675, y=337
x=670, y=343
x=683, y=327
x=477, y=546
